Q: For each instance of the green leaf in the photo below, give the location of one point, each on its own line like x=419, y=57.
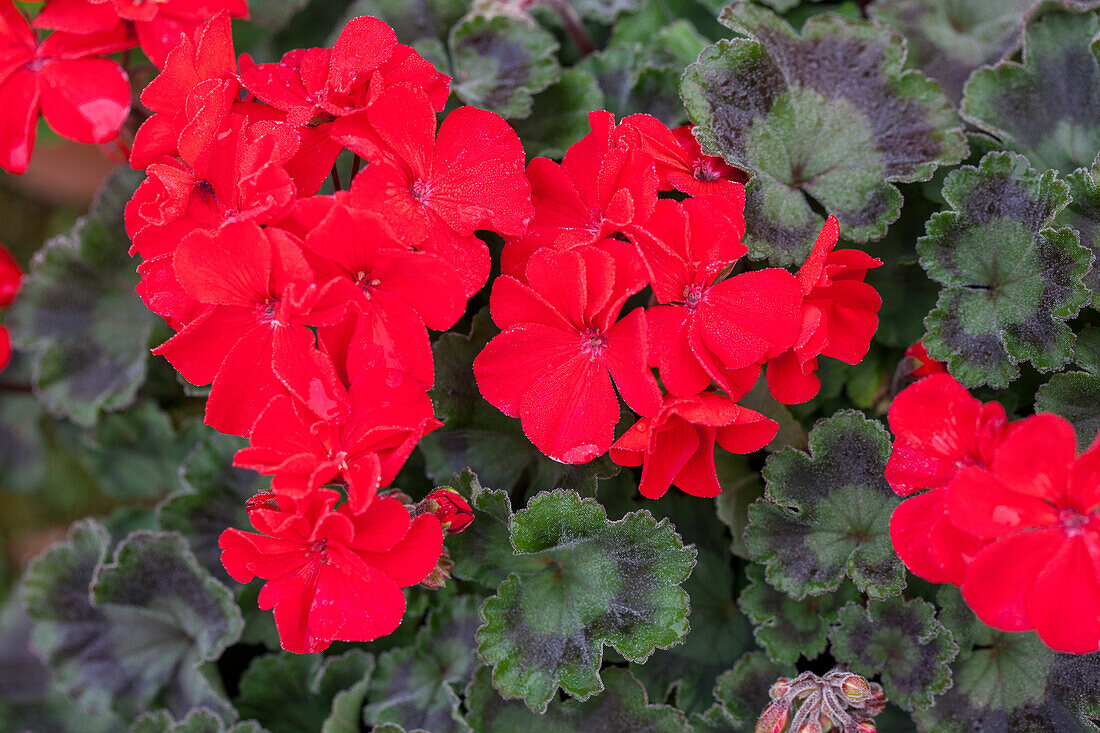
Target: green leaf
x=1009, y=279
x=137, y=452
x=719, y=633
x=80, y=316
x=644, y=75
x=1047, y=107
x=288, y=692
x=622, y=706
x=274, y=14
x=501, y=61
x=1083, y=215
x=949, y=39
x=212, y=498
x=902, y=643
x=559, y=116
x=742, y=692
x=413, y=20
x=605, y=11
x=827, y=116
x=1076, y=397
x=787, y=628
x=1086, y=349
x=415, y=687
x=141, y=635
x=483, y=552
x=199, y=721
x=827, y=514
x=599, y=583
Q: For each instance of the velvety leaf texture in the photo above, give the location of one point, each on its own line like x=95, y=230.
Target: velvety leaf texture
x=598, y=583
x=417, y=687
x=826, y=116
x=212, y=498
x=141, y=634
x=1076, y=397
x=559, y=115
x=826, y=515
x=80, y=316
x=622, y=706
x=787, y=628
x=1009, y=279
x=501, y=61
x=1083, y=216
x=901, y=643
x=742, y=692
x=198, y=721
x=1048, y=106
x=296, y=692
x=949, y=39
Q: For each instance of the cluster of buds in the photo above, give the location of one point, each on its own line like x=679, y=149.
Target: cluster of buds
x=840, y=701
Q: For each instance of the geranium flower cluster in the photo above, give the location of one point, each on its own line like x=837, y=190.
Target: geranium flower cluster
x=11, y=277
x=1008, y=511
x=602, y=233
x=308, y=314
x=68, y=79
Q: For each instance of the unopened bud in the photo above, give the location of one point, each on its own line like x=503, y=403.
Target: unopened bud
x=261, y=500
x=867, y=726
x=855, y=688
x=779, y=688
x=774, y=719
x=439, y=575
x=452, y=511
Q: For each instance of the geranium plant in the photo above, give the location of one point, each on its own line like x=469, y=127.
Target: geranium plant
x=627, y=365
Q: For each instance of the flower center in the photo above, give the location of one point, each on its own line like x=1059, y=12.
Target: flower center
x=340, y=458
x=693, y=296
x=267, y=310
x=1073, y=522
x=36, y=63
x=593, y=342
x=366, y=282
x=704, y=170
x=420, y=190
x=319, y=549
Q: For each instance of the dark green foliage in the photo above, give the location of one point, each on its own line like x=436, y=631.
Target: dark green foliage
x=826, y=515
x=559, y=114
x=787, y=628
x=1010, y=280
x=1047, y=107
x=597, y=583
x=1083, y=216
x=299, y=692
x=124, y=634
x=1076, y=397
x=742, y=692
x=500, y=61
x=901, y=644
x=78, y=313
x=827, y=115
x=622, y=706
x=199, y=721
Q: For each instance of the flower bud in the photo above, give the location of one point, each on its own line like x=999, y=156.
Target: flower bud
x=867, y=726
x=448, y=506
x=439, y=575
x=261, y=500
x=779, y=688
x=855, y=688
x=774, y=718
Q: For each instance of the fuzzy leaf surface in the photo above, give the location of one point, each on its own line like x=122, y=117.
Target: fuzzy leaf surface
x=198, y=721
x=1076, y=397
x=1048, y=106
x=827, y=115
x=826, y=515
x=742, y=692
x=79, y=314
x=140, y=636
x=622, y=706
x=598, y=583
x=501, y=61
x=902, y=643
x=1010, y=279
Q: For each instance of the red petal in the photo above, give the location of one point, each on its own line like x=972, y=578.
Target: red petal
x=86, y=100
x=787, y=381
x=1037, y=456
x=672, y=446
x=980, y=503
x=670, y=328
x=751, y=317
x=626, y=358
x=363, y=45
x=19, y=96
x=1064, y=600
x=926, y=540
x=512, y=361
x=353, y=601
x=410, y=560
x=570, y=413
x=999, y=580
x=231, y=266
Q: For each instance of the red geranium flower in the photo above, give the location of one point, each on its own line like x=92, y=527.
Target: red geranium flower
x=159, y=24
x=437, y=188
x=917, y=364
x=677, y=446
x=329, y=83
x=191, y=98
x=605, y=183
x=1037, y=507
x=940, y=430
x=712, y=330
x=560, y=348
x=386, y=416
x=839, y=316
x=332, y=575
x=682, y=165
x=83, y=98
x=11, y=277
